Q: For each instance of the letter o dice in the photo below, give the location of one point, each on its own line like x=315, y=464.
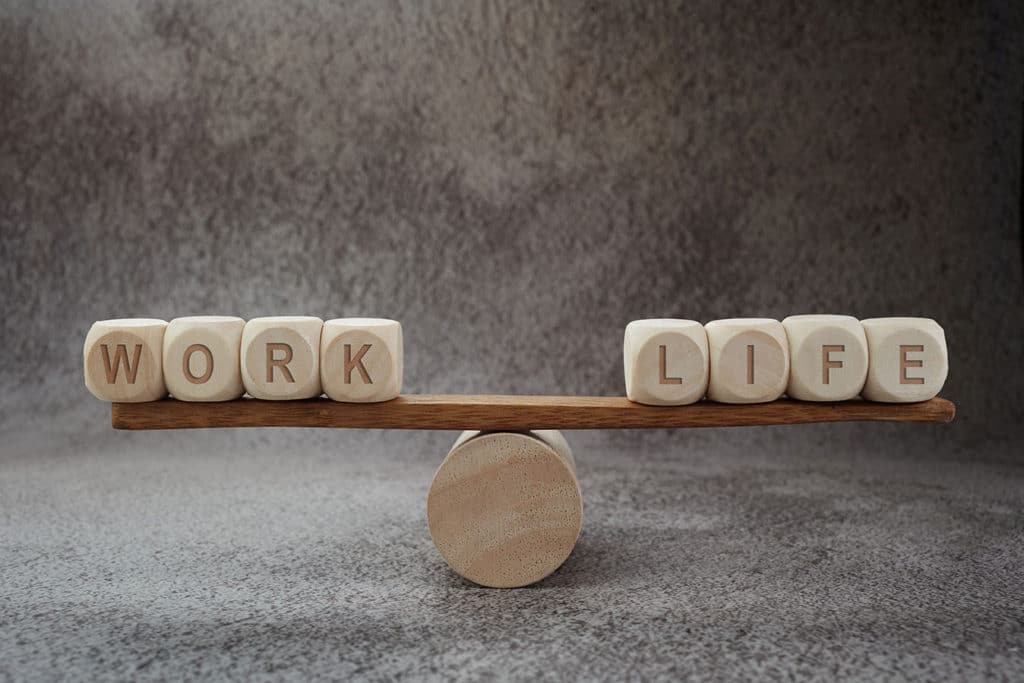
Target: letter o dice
x=828, y=356
x=122, y=360
x=201, y=358
x=749, y=360
x=361, y=359
x=908, y=359
x=666, y=361
x=280, y=357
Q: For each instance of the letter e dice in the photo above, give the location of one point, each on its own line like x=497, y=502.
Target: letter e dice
x=908, y=359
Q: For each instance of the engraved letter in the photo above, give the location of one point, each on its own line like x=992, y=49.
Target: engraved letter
x=121, y=355
x=826, y=362
x=197, y=379
x=356, y=363
x=281, y=363
x=662, y=362
x=750, y=363
x=907, y=363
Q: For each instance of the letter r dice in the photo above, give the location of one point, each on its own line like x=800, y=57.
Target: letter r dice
x=123, y=360
x=280, y=357
x=361, y=359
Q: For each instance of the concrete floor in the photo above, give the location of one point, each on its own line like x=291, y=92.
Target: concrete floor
x=765, y=552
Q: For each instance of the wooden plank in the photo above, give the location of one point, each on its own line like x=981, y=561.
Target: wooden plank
x=424, y=411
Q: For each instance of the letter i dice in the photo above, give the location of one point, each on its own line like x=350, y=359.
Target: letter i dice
x=749, y=360
x=280, y=357
x=123, y=362
x=361, y=359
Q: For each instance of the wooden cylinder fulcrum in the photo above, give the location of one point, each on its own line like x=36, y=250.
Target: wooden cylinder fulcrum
x=504, y=508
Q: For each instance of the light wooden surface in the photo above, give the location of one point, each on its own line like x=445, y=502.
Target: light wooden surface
x=426, y=411
x=505, y=509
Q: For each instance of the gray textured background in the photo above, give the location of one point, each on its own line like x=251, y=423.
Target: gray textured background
x=514, y=182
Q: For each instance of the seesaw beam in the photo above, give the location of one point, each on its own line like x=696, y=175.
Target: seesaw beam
x=426, y=411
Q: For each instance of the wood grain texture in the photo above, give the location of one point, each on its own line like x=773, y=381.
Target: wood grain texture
x=426, y=411
x=505, y=509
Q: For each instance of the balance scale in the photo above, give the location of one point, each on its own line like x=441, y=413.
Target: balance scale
x=505, y=508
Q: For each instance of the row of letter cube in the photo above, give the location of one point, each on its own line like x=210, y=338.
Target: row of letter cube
x=218, y=358
x=807, y=357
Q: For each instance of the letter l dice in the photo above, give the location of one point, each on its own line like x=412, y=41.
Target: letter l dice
x=666, y=361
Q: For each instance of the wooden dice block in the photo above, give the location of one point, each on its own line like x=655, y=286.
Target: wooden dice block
x=361, y=359
x=908, y=359
x=123, y=360
x=749, y=360
x=666, y=361
x=828, y=357
x=505, y=509
x=202, y=358
x=280, y=357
